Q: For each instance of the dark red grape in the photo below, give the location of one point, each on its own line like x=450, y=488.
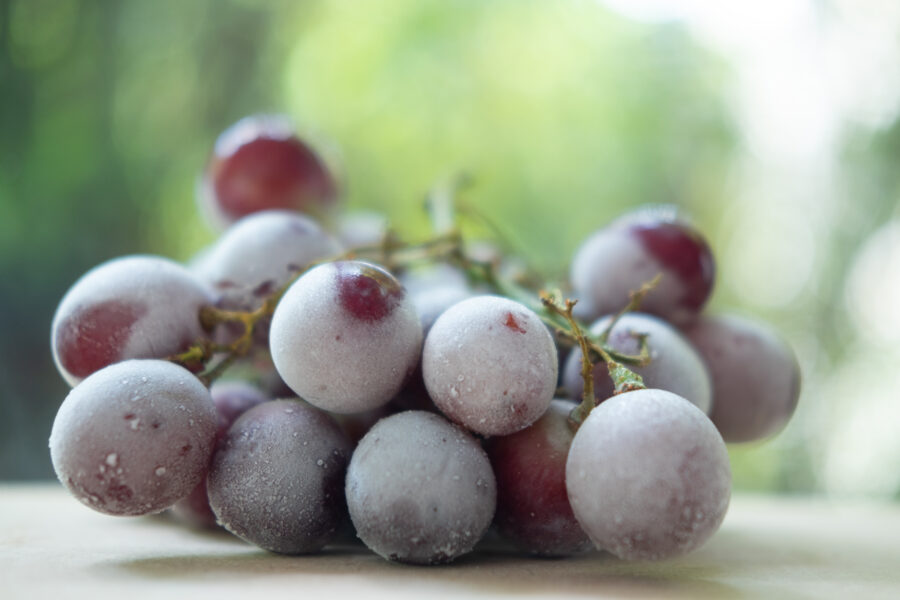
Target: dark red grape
x=533, y=507
x=260, y=164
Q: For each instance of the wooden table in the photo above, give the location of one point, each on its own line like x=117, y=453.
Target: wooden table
x=53, y=547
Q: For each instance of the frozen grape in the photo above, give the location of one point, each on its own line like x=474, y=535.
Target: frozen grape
x=533, y=507
x=755, y=376
x=134, y=437
x=420, y=490
x=345, y=336
x=129, y=307
x=490, y=365
x=259, y=254
x=633, y=250
x=362, y=228
x=231, y=399
x=277, y=477
x=648, y=476
x=260, y=164
x=674, y=366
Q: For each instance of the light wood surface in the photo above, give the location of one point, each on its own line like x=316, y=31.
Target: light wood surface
x=53, y=547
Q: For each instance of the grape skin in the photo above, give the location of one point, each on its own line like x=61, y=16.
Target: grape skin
x=490, y=365
x=276, y=479
x=533, y=507
x=128, y=307
x=631, y=251
x=674, y=366
x=420, y=490
x=345, y=337
x=134, y=437
x=755, y=376
x=231, y=399
x=648, y=476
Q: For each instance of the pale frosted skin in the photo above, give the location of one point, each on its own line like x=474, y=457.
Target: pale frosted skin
x=163, y=297
x=490, y=365
x=755, y=376
x=277, y=477
x=675, y=365
x=648, y=476
x=332, y=358
x=260, y=253
x=420, y=489
x=134, y=437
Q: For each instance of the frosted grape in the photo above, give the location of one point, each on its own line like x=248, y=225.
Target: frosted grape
x=231, y=399
x=277, y=477
x=755, y=376
x=134, y=437
x=490, y=365
x=631, y=251
x=648, y=476
x=129, y=307
x=675, y=365
x=345, y=336
x=420, y=490
x=259, y=254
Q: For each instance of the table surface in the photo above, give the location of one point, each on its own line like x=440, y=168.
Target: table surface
x=52, y=546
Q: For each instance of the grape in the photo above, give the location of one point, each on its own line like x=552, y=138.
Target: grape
x=134, y=437
x=532, y=503
x=276, y=479
x=420, y=490
x=619, y=258
x=490, y=365
x=259, y=254
x=755, y=376
x=231, y=399
x=345, y=336
x=648, y=476
x=675, y=365
x=361, y=228
x=260, y=164
x=129, y=307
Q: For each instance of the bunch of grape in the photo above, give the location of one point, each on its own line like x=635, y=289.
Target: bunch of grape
x=414, y=391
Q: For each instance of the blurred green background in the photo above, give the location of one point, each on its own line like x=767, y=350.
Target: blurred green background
x=775, y=126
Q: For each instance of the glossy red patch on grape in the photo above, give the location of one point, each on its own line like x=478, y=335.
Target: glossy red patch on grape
x=513, y=324
x=683, y=250
x=270, y=173
x=94, y=336
x=368, y=293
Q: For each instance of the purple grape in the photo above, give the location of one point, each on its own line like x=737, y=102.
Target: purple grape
x=648, y=476
x=420, y=490
x=675, y=365
x=260, y=254
x=631, y=251
x=134, y=437
x=533, y=507
x=345, y=336
x=231, y=399
x=755, y=376
x=490, y=365
x=276, y=479
x=129, y=307
x=260, y=164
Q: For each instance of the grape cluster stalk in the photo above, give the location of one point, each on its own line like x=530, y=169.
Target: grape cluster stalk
x=312, y=374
